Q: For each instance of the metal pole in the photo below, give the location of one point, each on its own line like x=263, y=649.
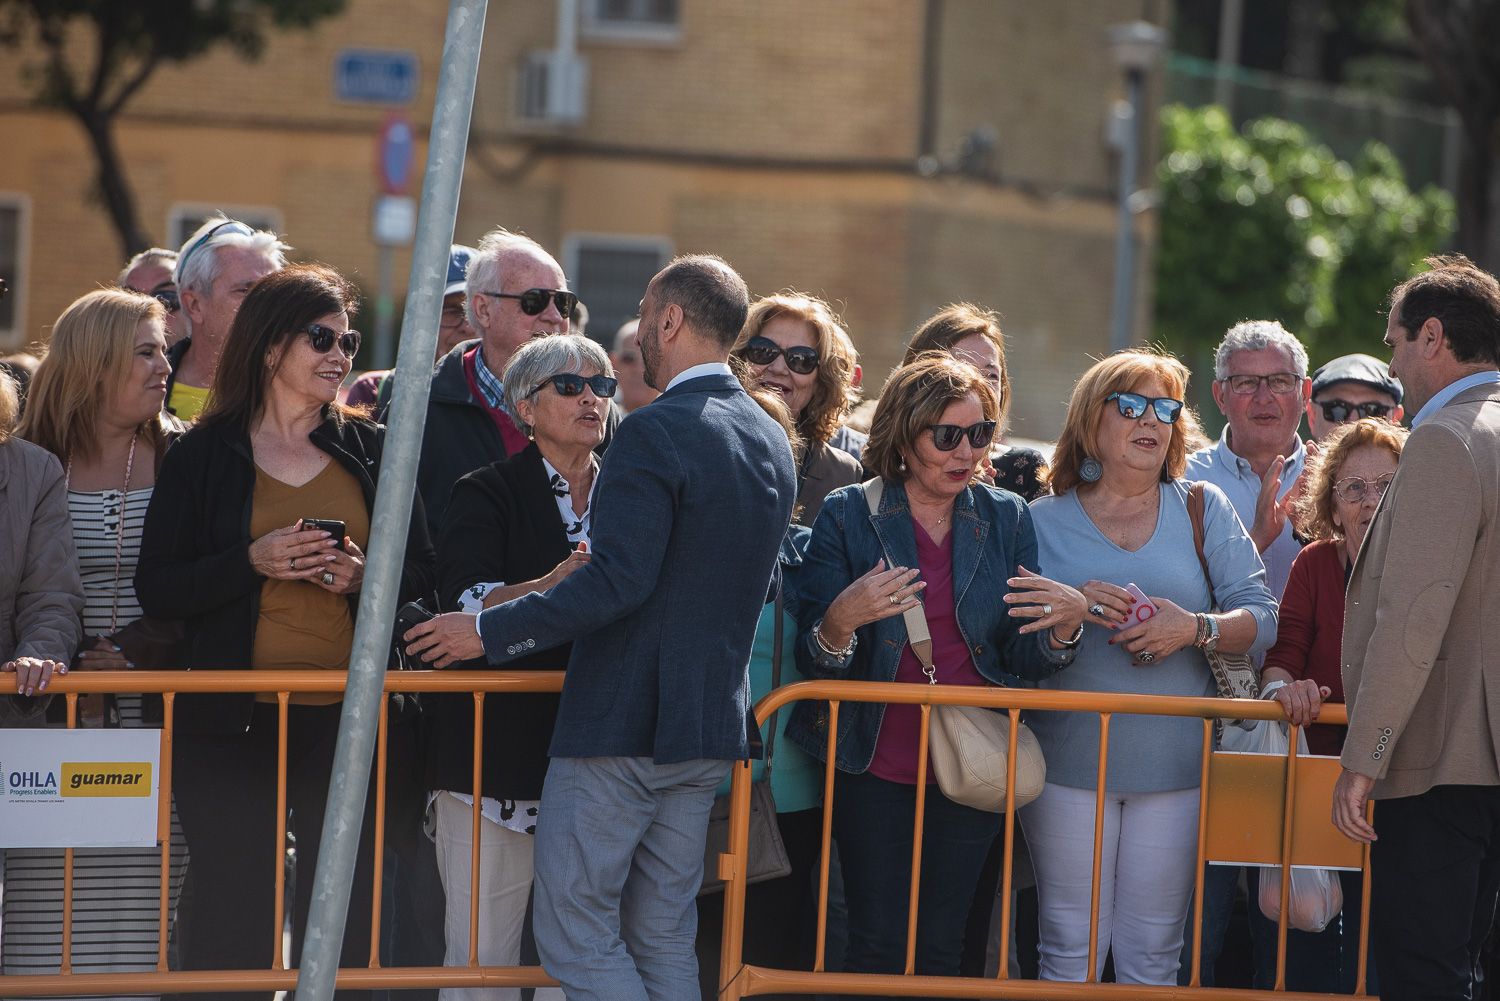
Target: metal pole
x=1231, y=20
x=1122, y=312
x=385, y=307
x=363, y=699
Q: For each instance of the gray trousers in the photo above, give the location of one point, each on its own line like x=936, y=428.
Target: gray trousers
x=619, y=861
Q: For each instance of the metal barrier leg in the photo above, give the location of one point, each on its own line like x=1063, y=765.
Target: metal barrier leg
x=164, y=831
x=377, y=886
x=826, y=848
x=1008, y=834
x=916, y=842
x=1201, y=860
x=1093, y=974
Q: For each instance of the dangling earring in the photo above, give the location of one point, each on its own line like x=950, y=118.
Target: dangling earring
x=1091, y=469
x=901, y=468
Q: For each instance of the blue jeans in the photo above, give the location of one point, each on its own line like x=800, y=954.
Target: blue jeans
x=873, y=823
x=619, y=861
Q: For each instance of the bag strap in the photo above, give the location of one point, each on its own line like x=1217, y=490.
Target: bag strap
x=776, y=645
x=1195, y=512
x=917, y=633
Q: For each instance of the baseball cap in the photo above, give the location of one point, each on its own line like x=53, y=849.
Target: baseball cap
x=1363, y=369
x=458, y=269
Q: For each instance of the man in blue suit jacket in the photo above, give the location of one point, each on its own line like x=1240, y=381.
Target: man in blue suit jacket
x=692, y=502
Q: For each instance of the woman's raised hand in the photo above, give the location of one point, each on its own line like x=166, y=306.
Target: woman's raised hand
x=1048, y=603
x=879, y=594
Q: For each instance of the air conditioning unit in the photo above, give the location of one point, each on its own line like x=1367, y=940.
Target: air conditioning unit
x=552, y=88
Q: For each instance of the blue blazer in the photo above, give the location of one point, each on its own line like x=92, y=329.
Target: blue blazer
x=693, y=500
x=992, y=535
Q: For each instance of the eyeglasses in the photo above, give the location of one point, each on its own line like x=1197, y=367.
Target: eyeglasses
x=169, y=299
x=1339, y=411
x=764, y=351
x=568, y=384
x=322, y=338
x=1280, y=383
x=1355, y=489
x=1133, y=406
x=228, y=225
x=452, y=317
x=534, y=300
x=946, y=437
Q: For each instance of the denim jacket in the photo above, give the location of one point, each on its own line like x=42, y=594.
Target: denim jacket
x=992, y=535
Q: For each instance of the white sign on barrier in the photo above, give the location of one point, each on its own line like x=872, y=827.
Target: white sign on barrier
x=79, y=788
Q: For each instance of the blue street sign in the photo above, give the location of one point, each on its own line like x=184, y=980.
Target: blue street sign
x=394, y=151
x=375, y=76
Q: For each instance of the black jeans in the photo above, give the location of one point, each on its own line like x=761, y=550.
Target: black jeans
x=1435, y=875
x=226, y=798
x=873, y=821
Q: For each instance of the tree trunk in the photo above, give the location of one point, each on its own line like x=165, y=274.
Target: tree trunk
x=114, y=187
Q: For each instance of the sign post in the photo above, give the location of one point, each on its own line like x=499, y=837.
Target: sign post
x=394, y=225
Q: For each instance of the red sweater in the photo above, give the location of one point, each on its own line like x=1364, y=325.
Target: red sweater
x=1310, y=632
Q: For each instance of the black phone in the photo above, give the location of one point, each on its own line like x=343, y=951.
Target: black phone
x=334, y=527
x=410, y=614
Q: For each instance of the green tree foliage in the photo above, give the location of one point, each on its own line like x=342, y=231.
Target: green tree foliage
x=90, y=57
x=1269, y=224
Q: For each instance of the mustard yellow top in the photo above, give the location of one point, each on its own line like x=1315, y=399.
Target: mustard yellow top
x=187, y=401
x=303, y=626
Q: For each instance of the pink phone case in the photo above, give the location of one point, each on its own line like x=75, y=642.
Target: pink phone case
x=1141, y=608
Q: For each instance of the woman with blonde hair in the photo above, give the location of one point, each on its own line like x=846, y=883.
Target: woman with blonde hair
x=972, y=334
x=1345, y=483
x=794, y=345
x=96, y=405
x=1119, y=516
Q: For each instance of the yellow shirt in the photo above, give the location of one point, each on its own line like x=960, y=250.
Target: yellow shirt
x=302, y=626
x=187, y=402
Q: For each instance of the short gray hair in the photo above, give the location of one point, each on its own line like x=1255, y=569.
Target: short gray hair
x=1257, y=335
x=540, y=358
x=483, y=274
x=198, y=266
x=156, y=255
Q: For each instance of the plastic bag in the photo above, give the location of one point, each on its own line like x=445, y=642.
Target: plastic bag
x=1315, y=897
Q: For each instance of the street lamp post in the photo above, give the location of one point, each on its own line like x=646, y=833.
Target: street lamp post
x=1135, y=47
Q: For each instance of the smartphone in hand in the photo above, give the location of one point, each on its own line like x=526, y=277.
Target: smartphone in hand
x=1141, y=607
x=332, y=526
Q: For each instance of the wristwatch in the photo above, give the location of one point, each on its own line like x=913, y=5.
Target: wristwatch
x=1208, y=633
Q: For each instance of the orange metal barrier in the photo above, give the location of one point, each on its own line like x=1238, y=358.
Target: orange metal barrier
x=276, y=976
x=1252, y=809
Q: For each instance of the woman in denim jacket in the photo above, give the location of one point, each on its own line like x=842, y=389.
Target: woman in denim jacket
x=972, y=549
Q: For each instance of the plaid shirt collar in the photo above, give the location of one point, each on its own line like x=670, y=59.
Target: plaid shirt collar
x=489, y=383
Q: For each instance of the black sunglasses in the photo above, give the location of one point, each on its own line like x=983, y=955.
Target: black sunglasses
x=1133, y=406
x=763, y=351
x=946, y=437
x=534, y=300
x=169, y=299
x=568, y=384
x=322, y=338
x=1339, y=411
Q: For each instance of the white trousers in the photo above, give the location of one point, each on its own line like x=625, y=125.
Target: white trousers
x=505, y=870
x=1146, y=880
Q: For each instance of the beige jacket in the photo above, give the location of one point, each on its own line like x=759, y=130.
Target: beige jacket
x=41, y=597
x=1422, y=620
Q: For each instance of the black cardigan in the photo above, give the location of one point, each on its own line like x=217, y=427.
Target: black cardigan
x=502, y=524
x=195, y=552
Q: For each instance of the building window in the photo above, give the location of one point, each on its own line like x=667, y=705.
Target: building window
x=184, y=219
x=632, y=20
x=610, y=275
x=13, y=270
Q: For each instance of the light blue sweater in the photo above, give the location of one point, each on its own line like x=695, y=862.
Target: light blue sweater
x=1146, y=753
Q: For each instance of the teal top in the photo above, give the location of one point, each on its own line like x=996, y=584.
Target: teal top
x=796, y=777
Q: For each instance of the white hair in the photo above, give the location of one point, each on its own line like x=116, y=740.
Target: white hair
x=198, y=266
x=627, y=329
x=156, y=255
x=540, y=358
x=1258, y=335
x=483, y=274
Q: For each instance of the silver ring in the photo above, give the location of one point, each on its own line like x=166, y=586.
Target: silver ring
x=895, y=600
x=293, y=562
x=1097, y=610
x=1046, y=609
x=1146, y=657
x=328, y=579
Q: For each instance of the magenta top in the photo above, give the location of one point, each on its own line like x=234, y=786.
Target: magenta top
x=896, y=747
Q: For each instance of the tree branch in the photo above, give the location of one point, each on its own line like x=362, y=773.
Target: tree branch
x=134, y=83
